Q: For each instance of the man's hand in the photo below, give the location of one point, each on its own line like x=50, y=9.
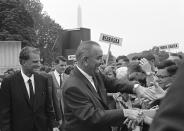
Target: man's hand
x=131, y=114
x=134, y=117
x=145, y=93
x=160, y=93
x=148, y=120
x=131, y=124
x=55, y=129
x=150, y=112
x=60, y=122
x=145, y=65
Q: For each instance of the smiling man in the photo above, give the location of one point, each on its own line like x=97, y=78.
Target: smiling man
x=85, y=94
x=25, y=104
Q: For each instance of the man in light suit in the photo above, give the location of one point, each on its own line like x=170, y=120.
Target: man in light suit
x=85, y=94
x=25, y=104
x=58, y=78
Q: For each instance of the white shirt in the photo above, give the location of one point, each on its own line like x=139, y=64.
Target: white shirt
x=90, y=78
x=57, y=76
x=26, y=78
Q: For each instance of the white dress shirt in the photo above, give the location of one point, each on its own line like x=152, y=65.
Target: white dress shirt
x=57, y=76
x=90, y=78
x=26, y=78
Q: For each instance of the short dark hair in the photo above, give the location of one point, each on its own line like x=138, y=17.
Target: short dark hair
x=149, y=56
x=25, y=53
x=136, y=58
x=122, y=57
x=69, y=69
x=172, y=70
x=9, y=70
x=178, y=55
x=165, y=63
x=134, y=67
x=60, y=58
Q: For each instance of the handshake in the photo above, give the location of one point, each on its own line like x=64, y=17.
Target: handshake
x=135, y=117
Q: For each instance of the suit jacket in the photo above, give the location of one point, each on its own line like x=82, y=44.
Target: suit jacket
x=87, y=110
x=16, y=112
x=170, y=116
x=57, y=96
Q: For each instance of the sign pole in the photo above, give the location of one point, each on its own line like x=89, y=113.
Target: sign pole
x=169, y=52
x=110, y=40
x=107, y=59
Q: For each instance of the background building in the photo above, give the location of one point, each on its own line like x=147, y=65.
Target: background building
x=68, y=41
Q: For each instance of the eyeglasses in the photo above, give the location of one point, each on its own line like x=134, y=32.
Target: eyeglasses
x=62, y=65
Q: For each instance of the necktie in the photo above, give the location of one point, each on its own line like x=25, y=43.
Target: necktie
x=95, y=83
x=60, y=80
x=31, y=98
x=61, y=105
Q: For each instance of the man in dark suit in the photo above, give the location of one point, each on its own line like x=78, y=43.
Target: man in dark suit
x=85, y=94
x=170, y=114
x=25, y=104
x=58, y=77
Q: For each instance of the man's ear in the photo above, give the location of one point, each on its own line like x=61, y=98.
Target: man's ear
x=153, y=61
x=85, y=60
x=22, y=62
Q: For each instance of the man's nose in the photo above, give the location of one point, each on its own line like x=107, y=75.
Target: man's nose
x=100, y=61
x=38, y=64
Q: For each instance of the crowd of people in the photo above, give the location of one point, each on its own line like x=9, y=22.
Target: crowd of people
x=89, y=95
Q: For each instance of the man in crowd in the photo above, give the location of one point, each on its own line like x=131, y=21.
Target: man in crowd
x=170, y=114
x=147, y=64
x=122, y=61
x=25, y=104
x=85, y=94
x=10, y=71
x=58, y=78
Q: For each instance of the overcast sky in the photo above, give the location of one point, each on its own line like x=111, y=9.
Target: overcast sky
x=141, y=23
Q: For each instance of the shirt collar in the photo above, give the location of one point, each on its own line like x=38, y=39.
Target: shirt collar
x=26, y=78
x=85, y=74
x=56, y=72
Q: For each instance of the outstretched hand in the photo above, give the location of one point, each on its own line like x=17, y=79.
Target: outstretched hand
x=134, y=117
x=145, y=65
x=160, y=93
x=147, y=93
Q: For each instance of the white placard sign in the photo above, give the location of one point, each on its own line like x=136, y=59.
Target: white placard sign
x=71, y=57
x=170, y=46
x=111, y=39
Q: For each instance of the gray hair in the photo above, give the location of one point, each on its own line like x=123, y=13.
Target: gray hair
x=84, y=49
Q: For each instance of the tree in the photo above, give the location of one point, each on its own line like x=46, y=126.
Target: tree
x=16, y=23
x=24, y=20
x=46, y=29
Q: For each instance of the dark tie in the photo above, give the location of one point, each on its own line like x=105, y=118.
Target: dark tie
x=31, y=99
x=95, y=83
x=60, y=80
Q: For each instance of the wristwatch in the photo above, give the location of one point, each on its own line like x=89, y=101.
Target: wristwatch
x=149, y=73
x=135, y=87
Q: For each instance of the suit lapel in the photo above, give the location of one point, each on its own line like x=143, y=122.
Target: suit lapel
x=55, y=80
x=65, y=76
x=92, y=89
x=88, y=84
x=58, y=95
x=38, y=91
x=101, y=90
x=23, y=88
